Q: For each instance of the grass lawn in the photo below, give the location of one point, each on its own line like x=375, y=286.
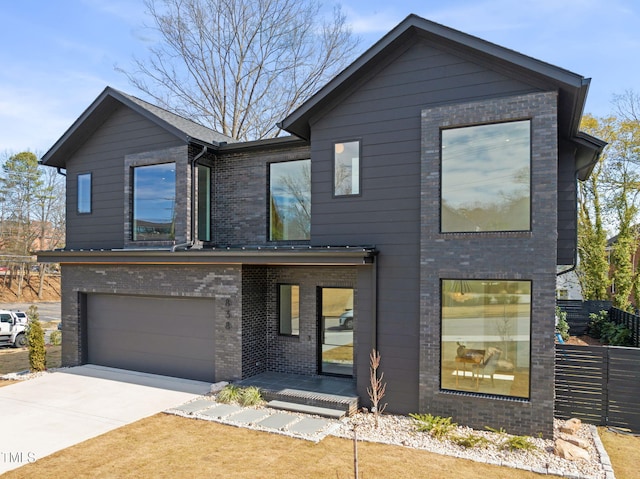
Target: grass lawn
x=623, y=451
x=14, y=360
x=171, y=446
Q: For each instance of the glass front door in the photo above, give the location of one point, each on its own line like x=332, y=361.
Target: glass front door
x=336, y=331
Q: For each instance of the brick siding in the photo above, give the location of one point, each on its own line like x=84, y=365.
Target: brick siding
x=499, y=256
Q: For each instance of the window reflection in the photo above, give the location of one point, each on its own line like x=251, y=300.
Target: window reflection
x=290, y=200
x=486, y=336
x=154, y=198
x=486, y=178
x=347, y=168
x=84, y=193
x=289, y=302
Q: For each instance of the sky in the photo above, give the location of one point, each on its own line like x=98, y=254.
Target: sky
x=56, y=56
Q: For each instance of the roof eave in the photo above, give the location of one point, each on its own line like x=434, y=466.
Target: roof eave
x=570, y=83
x=311, y=256
x=95, y=115
x=588, y=151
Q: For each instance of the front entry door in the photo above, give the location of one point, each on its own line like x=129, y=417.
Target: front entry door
x=336, y=331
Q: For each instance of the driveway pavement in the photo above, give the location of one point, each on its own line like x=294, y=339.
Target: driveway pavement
x=54, y=411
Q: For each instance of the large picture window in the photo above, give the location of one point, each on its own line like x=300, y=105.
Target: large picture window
x=486, y=178
x=346, y=168
x=84, y=193
x=290, y=200
x=154, y=200
x=486, y=337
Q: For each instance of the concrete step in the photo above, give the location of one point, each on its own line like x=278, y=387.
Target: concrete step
x=347, y=404
x=307, y=409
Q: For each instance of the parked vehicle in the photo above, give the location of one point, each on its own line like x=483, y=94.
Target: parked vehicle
x=346, y=319
x=12, y=330
x=21, y=315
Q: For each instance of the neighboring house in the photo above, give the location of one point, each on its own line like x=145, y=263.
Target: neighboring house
x=429, y=190
x=568, y=285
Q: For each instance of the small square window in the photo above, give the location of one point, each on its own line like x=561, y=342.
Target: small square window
x=84, y=193
x=346, y=168
x=289, y=309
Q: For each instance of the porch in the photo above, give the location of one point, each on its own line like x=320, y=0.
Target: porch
x=321, y=395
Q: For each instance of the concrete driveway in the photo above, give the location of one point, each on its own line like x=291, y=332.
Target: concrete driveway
x=56, y=410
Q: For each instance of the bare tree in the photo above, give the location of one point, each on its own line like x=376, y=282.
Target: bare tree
x=240, y=66
x=377, y=388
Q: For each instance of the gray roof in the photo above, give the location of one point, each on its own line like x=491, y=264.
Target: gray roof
x=191, y=128
x=106, y=103
x=572, y=88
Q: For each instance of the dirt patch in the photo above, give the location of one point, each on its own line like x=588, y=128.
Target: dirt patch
x=29, y=291
x=583, y=341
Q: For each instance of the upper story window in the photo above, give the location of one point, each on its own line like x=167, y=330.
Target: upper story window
x=346, y=168
x=290, y=200
x=154, y=201
x=84, y=193
x=486, y=171
x=204, y=203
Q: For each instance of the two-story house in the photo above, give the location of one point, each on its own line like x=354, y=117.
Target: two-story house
x=420, y=208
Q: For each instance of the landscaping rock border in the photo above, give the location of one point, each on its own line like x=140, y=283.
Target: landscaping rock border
x=400, y=430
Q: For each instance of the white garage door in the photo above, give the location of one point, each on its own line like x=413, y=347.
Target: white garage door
x=159, y=335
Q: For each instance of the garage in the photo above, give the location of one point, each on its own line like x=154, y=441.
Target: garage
x=158, y=335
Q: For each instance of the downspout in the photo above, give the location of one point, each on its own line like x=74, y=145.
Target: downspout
x=189, y=244
x=60, y=172
x=374, y=305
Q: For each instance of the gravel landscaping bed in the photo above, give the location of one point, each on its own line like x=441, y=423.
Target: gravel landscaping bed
x=401, y=430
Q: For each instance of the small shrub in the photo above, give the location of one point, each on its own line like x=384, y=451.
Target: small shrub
x=513, y=443
x=607, y=331
x=35, y=342
x=470, y=440
x=616, y=334
x=230, y=393
x=562, y=325
x=436, y=426
x=518, y=443
x=596, y=322
x=55, y=338
x=250, y=396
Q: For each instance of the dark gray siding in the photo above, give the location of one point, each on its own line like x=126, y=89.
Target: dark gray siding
x=567, y=204
x=124, y=132
x=384, y=113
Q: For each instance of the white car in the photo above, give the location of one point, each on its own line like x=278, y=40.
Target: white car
x=346, y=319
